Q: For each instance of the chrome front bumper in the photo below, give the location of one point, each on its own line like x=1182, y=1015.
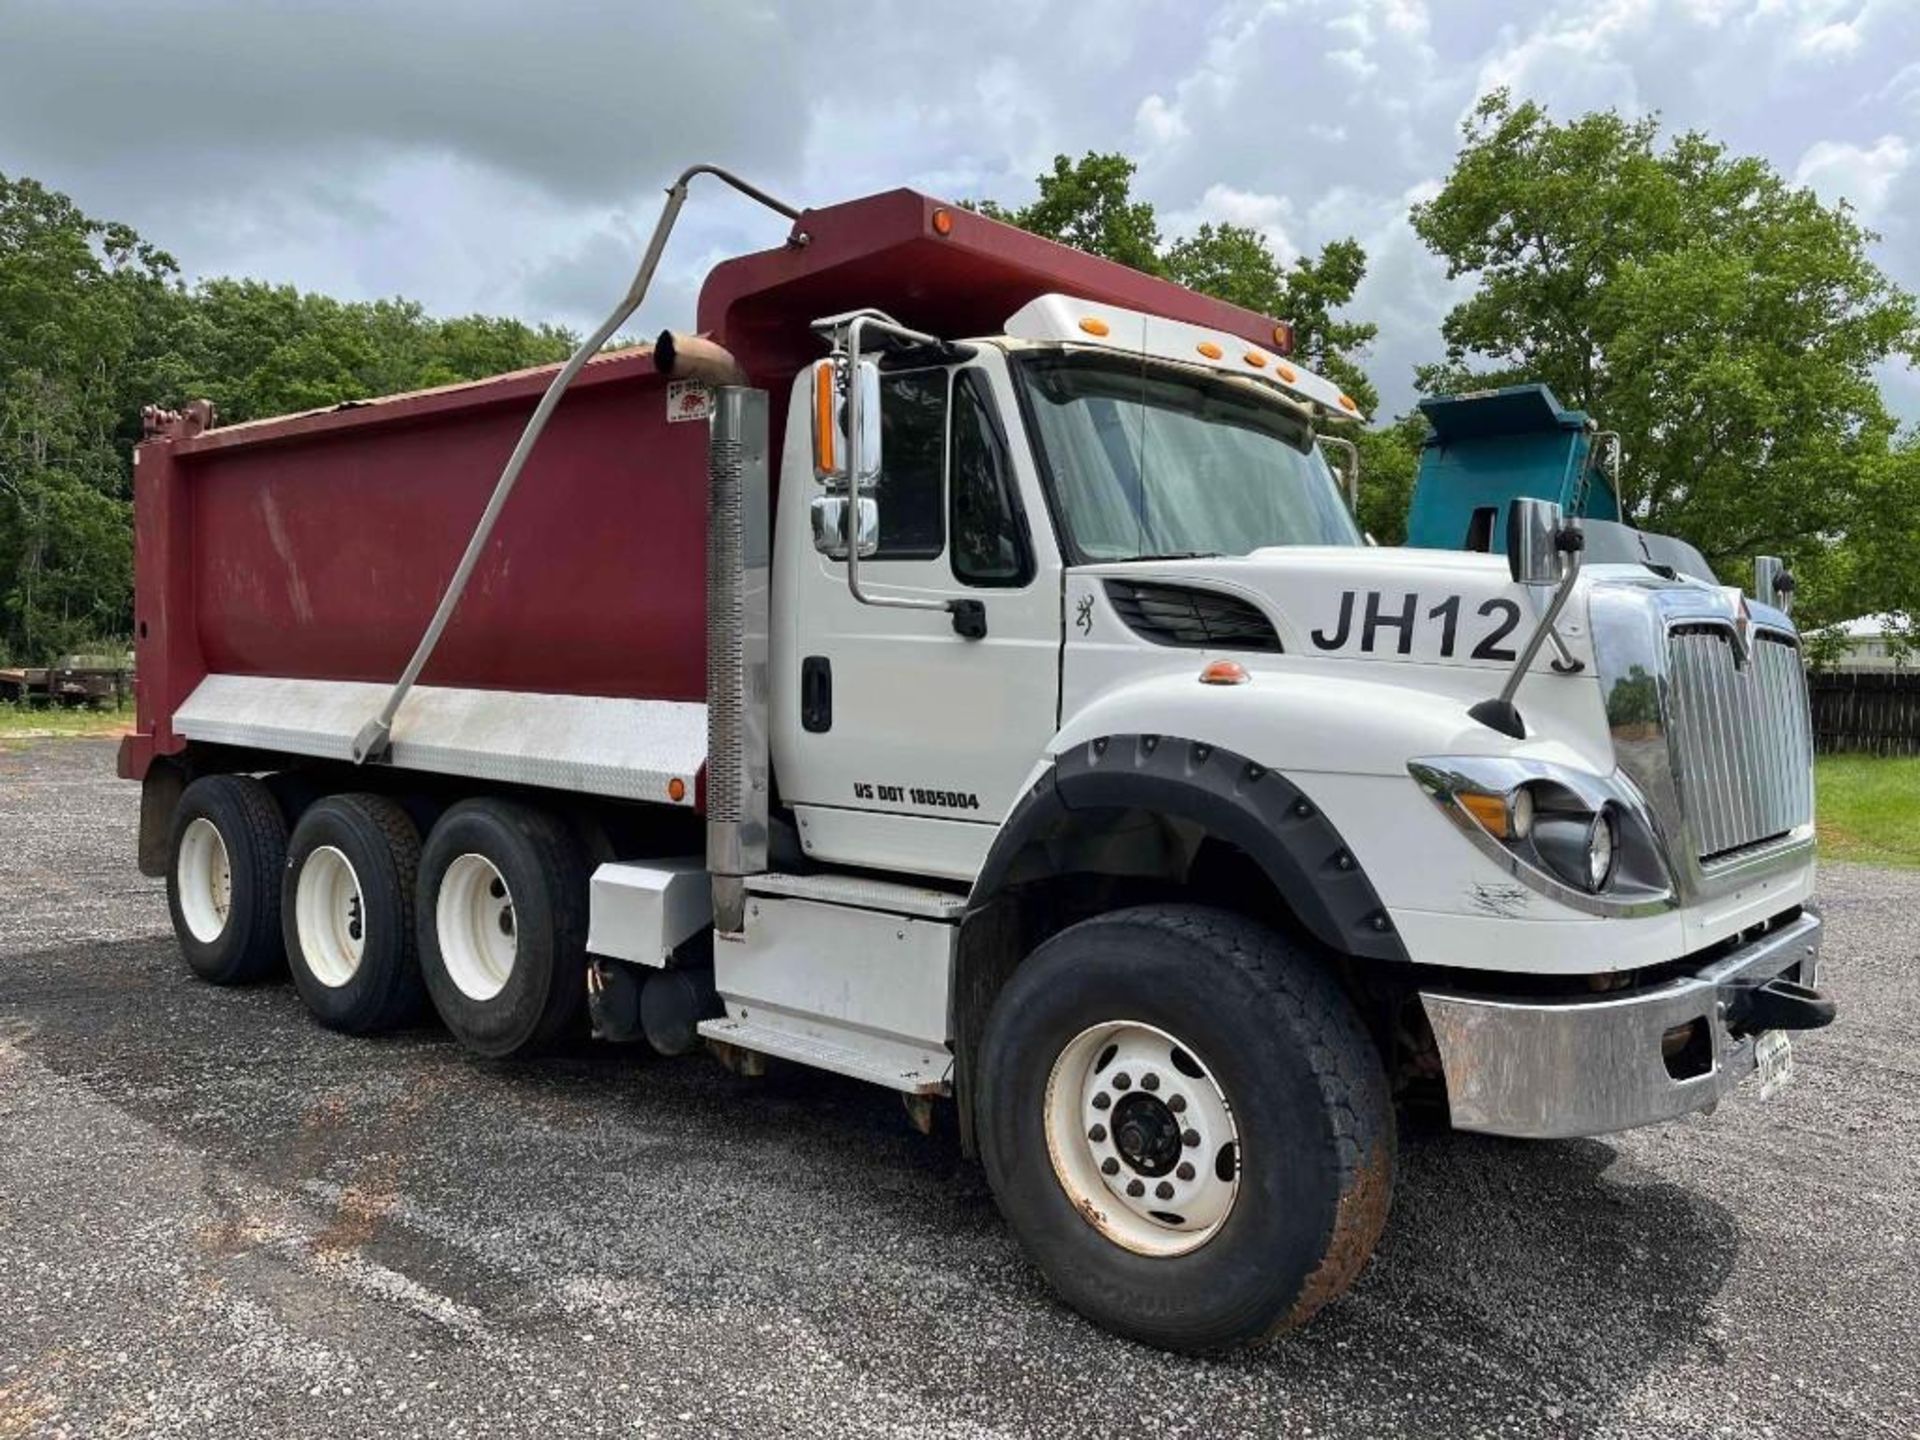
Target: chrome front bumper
x=1550, y=1069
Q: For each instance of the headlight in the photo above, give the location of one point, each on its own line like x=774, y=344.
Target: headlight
x=1577, y=846
x=1520, y=812
x=1583, y=839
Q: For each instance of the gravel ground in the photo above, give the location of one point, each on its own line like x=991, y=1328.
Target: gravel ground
x=217, y=1219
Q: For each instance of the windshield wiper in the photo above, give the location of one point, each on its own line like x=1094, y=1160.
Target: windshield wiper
x=1178, y=555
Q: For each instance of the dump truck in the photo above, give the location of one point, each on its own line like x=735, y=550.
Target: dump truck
x=955, y=664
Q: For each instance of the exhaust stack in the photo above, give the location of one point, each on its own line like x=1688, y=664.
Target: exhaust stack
x=738, y=574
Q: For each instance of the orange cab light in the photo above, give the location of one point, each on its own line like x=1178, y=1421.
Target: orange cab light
x=1283, y=338
x=1224, y=672
x=1209, y=349
x=1489, y=810
x=943, y=221
x=1093, y=325
x=1285, y=371
x=676, y=789
x=1256, y=359
x=823, y=457
x=1346, y=403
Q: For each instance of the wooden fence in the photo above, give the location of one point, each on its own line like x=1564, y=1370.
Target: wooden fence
x=1876, y=712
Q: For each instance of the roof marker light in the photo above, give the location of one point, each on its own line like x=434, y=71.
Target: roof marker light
x=676, y=789
x=942, y=221
x=1285, y=371
x=1209, y=349
x=1224, y=672
x=1093, y=325
x=1283, y=338
x=1346, y=403
x=1256, y=359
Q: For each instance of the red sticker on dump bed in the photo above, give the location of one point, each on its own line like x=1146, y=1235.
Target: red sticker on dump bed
x=688, y=400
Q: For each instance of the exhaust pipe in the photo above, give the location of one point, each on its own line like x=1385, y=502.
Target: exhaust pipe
x=692, y=357
x=739, y=562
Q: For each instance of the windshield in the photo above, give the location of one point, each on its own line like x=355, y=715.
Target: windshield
x=1155, y=462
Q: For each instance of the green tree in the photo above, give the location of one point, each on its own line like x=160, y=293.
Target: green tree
x=95, y=324
x=1723, y=321
x=1089, y=204
x=72, y=294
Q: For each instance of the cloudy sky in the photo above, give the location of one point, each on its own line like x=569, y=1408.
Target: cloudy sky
x=508, y=155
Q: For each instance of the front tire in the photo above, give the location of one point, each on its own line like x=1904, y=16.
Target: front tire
x=347, y=913
x=1186, y=1125
x=228, y=847
x=502, y=916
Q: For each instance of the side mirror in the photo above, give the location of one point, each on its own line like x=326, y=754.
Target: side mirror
x=830, y=525
x=1772, y=582
x=1533, y=549
x=830, y=406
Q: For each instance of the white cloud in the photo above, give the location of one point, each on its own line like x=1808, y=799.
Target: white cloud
x=454, y=151
x=1270, y=215
x=1862, y=175
x=1158, y=123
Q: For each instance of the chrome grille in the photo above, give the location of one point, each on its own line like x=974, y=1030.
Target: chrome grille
x=1741, y=736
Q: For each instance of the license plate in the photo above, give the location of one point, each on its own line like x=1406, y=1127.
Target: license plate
x=1773, y=1057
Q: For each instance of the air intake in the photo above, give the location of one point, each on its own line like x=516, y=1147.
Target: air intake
x=1194, y=618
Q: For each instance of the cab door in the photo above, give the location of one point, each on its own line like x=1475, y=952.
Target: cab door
x=899, y=741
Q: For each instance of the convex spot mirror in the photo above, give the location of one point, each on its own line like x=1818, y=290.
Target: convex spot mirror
x=830, y=526
x=1533, y=557
x=831, y=405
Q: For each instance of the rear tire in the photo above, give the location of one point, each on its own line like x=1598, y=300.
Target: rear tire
x=227, y=849
x=1186, y=1125
x=347, y=913
x=502, y=918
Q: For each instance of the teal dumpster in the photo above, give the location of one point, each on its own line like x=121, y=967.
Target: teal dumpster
x=1491, y=446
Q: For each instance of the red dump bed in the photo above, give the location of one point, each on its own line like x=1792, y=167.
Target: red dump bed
x=315, y=547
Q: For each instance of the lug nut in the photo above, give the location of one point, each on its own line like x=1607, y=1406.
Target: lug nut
x=1122, y=1081
x=1190, y=1138
x=1109, y=1166
x=1163, y=1190
x=1176, y=1103
x=1102, y=1100
x=1184, y=1170
x=1098, y=1132
x=1149, y=1082
x=1136, y=1189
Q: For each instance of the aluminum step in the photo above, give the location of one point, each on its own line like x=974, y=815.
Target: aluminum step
x=862, y=1057
x=861, y=892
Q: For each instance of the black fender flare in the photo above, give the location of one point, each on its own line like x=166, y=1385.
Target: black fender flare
x=1252, y=807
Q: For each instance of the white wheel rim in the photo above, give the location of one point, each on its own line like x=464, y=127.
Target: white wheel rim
x=330, y=913
x=1142, y=1138
x=204, y=879
x=474, y=920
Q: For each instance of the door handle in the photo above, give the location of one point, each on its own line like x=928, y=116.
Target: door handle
x=816, y=694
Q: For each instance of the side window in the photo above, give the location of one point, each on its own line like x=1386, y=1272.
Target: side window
x=913, y=443
x=989, y=542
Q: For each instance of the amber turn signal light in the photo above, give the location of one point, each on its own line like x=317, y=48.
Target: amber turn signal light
x=1490, y=810
x=1224, y=672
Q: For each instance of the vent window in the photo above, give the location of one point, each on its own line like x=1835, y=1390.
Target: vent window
x=1195, y=618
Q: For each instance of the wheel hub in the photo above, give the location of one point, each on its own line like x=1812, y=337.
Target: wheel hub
x=330, y=916
x=1142, y=1139
x=474, y=920
x=1146, y=1134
